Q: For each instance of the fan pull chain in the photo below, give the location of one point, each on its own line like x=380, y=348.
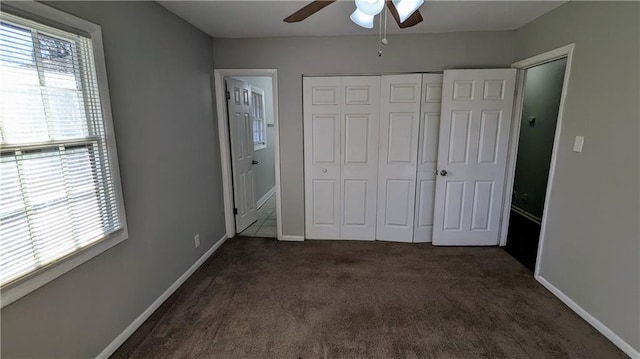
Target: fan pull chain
x=380, y=39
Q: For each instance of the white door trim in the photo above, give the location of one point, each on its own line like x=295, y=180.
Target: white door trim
x=522, y=65
x=225, y=153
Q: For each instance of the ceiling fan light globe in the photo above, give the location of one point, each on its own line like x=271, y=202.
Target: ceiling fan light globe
x=406, y=8
x=370, y=7
x=362, y=19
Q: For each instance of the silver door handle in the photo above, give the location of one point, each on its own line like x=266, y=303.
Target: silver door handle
x=443, y=172
x=324, y=170
x=254, y=162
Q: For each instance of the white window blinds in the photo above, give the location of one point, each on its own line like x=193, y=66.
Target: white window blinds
x=259, y=128
x=57, y=192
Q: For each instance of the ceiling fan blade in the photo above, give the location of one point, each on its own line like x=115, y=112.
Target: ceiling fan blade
x=414, y=19
x=308, y=10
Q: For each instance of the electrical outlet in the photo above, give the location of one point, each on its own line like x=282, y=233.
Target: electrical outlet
x=196, y=239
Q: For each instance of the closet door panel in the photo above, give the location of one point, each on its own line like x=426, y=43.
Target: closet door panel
x=360, y=119
x=322, y=97
x=427, y=156
x=398, y=156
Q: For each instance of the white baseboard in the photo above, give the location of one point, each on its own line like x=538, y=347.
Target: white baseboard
x=266, y=197
x=128, y=331
x=292, y=238
x=613, y=337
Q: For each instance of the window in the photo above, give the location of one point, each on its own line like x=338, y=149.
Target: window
x=59, y=184
x=259, y=123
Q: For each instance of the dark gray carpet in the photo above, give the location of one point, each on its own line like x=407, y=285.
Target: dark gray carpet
x=258, y=298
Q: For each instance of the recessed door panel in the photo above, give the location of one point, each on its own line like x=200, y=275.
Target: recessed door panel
x=356, y=138
x=424, y=214
x=398, y=193
x=453, y=205
x=324, y=202
x=355, y=203
x=323, y=140
x=489, y=131
x=400, y=138
x=482, y=206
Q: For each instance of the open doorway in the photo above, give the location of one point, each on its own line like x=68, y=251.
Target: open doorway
x=260, y=130
x=247, y=108
x=539, y=104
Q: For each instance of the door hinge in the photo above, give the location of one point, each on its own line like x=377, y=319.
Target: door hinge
x=235, y=211
x=228, y=95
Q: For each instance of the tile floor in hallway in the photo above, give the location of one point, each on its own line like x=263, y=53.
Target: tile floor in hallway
x=265, y=226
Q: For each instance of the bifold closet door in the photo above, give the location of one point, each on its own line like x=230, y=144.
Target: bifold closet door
x=321, y=103
x=360, y=117
x=341, y=118
x=427, y=156
x=398, y=156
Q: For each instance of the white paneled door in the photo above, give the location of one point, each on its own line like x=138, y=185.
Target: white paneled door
x=472, y=155
x=341, y=118
x=360, y=117
x=398, y=156
x=322, y=97
x=240, y=131
x=427, y=156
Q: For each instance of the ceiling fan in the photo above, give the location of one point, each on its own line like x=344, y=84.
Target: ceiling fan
x=404, y=12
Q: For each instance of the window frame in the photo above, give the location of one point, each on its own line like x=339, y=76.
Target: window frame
x=259, y=146
x=47, y=15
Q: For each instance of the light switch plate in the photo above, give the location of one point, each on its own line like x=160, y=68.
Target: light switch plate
x=578, y=144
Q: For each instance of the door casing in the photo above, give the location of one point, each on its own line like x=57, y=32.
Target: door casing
x=225, y=153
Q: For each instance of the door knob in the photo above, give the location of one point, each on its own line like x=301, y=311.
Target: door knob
x=254, y=162
x=324, y=170
x=443, y=172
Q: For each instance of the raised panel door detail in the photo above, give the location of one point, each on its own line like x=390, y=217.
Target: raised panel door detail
x=463, y=90
x=493, y=90
x=453, y=205
x=355, y=203
x=401, y=133
x=482, y=203
x=323, y=138
x=356, y=139
x=430, y=129
x=323, y=202
x=459, y=136
x=324, y=95
x=426, y=191
x=398, y=192
x=402, y=93
x=489, y=129
x=357, y=95
x=433, y=93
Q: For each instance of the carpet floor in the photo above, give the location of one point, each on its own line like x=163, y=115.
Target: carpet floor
x=260, y=298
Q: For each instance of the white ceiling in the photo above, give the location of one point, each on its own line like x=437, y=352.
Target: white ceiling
x=234, y=19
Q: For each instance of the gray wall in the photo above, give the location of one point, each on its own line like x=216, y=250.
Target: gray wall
x=266, y=168
x=542, y=90
x=296, y=56
x=592, y=237
x=159, y=69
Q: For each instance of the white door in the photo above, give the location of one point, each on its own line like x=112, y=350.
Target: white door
x=427, y=156
x=360, y=117
x=240, y=131
x=472, y=155
x=321, y=104
x=398, y=156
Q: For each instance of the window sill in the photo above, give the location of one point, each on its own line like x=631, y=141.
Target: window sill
x=259, y=147
x=54, y=270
